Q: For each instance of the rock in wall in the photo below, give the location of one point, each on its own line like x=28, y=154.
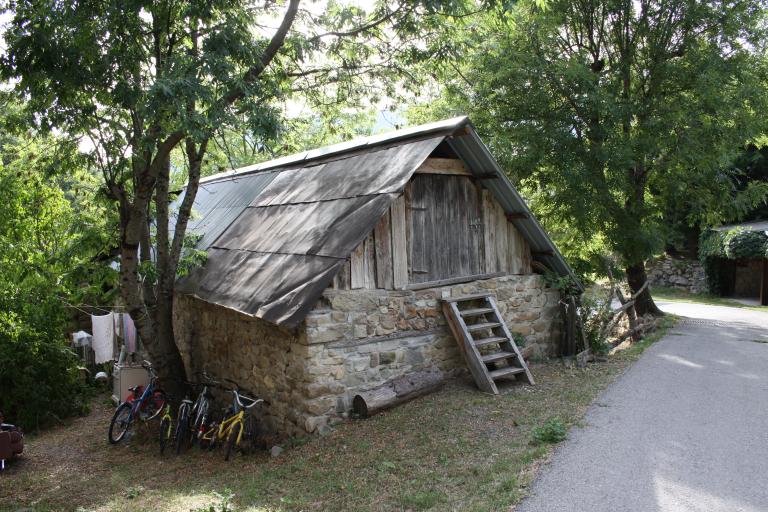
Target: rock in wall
x=682, y=273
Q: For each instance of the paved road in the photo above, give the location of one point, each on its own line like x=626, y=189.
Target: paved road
x=685, y=429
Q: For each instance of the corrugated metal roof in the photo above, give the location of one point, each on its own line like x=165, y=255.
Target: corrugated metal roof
x=217, y=204
x=302, y=159
x=282, y=251
x=757, y=225
x=278, y=232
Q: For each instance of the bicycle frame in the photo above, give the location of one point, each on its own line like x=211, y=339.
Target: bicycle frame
x=140, y=402
x=167, y=416
x=226, y=426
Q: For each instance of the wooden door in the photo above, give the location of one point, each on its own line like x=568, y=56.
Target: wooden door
x=445, y=228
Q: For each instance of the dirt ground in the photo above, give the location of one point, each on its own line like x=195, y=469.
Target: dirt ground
x=457, y=449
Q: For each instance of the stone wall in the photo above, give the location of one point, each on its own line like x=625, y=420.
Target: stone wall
x=683, y=273
x=260, y=356
x=352, y=341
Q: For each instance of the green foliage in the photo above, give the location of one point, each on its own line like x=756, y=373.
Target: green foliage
x=38, y=374
x=552, y=431
x=595, y=312
x=566, y=285
x=53, y=233
x=745, y=244
x=733, y=244
x=717, y=247
x=608, y=117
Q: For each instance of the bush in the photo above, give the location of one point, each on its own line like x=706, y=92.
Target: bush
x=39, y=381
x=551, y=432
x=745, y=244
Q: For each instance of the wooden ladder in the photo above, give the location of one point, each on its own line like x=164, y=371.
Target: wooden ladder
x=477, y=315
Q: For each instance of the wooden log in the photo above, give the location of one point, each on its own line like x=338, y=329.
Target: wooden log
x=397, y=391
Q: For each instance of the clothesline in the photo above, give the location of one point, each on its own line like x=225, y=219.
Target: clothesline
x=105, y=309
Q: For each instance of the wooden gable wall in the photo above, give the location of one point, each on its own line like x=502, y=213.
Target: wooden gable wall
x=444, y=229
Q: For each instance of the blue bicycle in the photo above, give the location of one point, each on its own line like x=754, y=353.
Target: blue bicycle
x=145, y=403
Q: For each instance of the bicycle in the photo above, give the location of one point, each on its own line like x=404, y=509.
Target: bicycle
x=236, y=425
x=182, y=424
x=201, y=410
x=146, y=403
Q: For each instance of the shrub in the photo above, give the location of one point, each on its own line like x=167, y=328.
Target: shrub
x=551, y=432
x=38, y=375
x=745, y=244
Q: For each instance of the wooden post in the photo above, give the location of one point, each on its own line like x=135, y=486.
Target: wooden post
x=764, y=286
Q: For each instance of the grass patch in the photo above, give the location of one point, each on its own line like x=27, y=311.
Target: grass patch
x=551, y=432
x=456, y=449
x=422, y=500
x=677, y=295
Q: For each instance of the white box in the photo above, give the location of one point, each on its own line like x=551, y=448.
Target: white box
x=125, y=376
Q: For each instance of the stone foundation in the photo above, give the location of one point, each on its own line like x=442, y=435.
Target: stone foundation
x=352, y=341
x=669, y=272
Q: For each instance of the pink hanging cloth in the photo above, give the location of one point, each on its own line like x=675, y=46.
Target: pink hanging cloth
x=130, y=333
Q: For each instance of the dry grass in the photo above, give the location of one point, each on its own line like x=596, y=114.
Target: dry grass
x=457, y=449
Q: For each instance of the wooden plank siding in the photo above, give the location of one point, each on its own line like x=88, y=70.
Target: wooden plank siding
x=399, y=244
x=447, y=228
x=382, y=235
x=442, y=228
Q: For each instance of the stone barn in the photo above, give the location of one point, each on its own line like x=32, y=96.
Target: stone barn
x=326, y=269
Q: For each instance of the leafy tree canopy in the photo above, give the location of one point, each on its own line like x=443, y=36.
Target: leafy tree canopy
x=607, y=111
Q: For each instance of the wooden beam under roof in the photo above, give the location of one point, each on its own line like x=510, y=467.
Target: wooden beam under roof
x=449, y=166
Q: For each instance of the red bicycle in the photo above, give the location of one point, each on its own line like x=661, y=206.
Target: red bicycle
x=143, y=403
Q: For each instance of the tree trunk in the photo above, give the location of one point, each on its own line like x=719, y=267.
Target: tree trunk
x=149, y=304
x=644, y=303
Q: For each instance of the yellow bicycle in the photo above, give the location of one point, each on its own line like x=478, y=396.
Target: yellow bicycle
x=237, y=426
x=165, y=427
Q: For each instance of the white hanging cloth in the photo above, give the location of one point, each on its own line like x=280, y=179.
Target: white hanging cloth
x=103, y=337
x=81, y=339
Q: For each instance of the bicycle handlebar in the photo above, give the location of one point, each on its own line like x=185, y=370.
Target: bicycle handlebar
x=148, y=366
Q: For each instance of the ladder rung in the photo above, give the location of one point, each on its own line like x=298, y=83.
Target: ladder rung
x=498, y=355
x=475, y=312
x=468, y=297
x=487, y=341
x=507, y=370
x=484, y=325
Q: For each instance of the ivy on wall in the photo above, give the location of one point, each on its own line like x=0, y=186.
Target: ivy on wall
x=716, y=247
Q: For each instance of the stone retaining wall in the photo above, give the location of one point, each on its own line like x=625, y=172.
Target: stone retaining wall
x=352, y=341
x=683, y=273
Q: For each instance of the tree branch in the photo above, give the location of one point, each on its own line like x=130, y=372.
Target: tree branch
x=278, y=39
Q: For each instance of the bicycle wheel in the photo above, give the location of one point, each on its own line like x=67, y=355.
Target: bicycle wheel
x=201, y=419
x=232, y=441
x=249, y=441
x=154, y=405
x=121, y=422
x=182, y=427
x=165, y=433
